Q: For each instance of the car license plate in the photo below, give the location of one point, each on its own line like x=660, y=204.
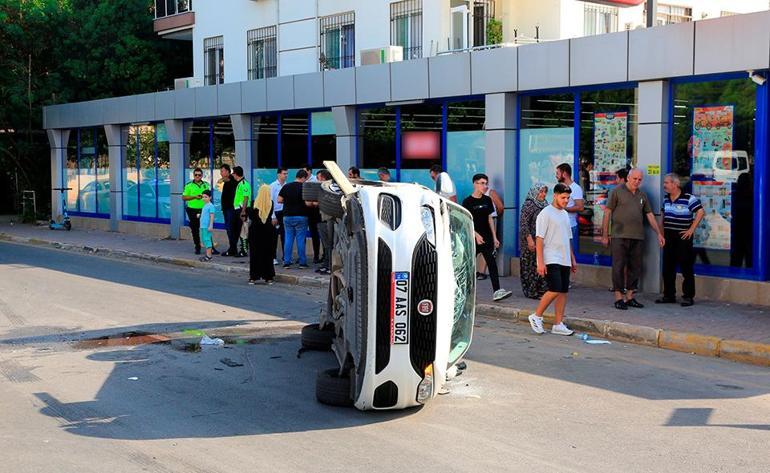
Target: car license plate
x=399, y=314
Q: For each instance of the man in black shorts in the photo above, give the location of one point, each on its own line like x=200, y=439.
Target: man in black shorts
x=555, y=259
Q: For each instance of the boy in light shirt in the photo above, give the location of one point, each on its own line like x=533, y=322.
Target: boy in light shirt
x=555, y=259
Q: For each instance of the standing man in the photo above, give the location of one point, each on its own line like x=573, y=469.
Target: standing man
x=354, y=173
x=275, y=188
x=227, y=197
x=309, y=170
x=576, y=202
x=627, y=207
x=555, y=259
x=682, y=213
x=481, y=208
x=325, y=229
x=438, y=176
x=241, y=202
x=193, y=195
x=294, y=219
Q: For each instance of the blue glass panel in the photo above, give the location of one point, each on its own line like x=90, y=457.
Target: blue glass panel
x=464, y=158
x=103, y=190
x=147, y=193
x=262, y=176
x=164, y=193
x=541, y=150
x=419, y=176
x=130, y=192
x=371, y=174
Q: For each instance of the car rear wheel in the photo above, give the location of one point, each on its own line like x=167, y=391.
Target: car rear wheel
x=313, y=338
x=310, y=190
x=333, y=389
x=330, y=200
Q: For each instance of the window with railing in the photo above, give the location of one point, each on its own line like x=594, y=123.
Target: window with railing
x=214, y=60
x=263, y=53
x=670, y=14
x=171, y=7
x=483, y=11
x=337, y=41
x=406, y=27
x=598, y=19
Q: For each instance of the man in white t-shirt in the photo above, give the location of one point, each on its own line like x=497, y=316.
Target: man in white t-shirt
x=444, y=185
x=555, y=259
x=576, y=202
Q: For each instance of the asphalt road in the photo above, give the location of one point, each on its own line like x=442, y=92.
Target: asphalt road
x=525, y=403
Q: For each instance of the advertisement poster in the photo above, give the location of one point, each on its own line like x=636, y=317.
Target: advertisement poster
x=610, y=140
x=541, y=150
x=716, y=198
x=712, y=132
x=712, y=141
x=610, y=144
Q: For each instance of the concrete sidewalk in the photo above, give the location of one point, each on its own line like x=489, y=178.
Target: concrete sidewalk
x=733, y=331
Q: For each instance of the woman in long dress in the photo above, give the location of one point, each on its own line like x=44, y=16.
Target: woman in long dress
x=261, y=238
x=533, y=285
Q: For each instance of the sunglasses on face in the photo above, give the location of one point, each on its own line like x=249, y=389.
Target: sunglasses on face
x=197, y=175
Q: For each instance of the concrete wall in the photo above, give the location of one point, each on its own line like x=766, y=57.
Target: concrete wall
x=727, y=44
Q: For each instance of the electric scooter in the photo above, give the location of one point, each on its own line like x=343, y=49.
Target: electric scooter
x=65, y=223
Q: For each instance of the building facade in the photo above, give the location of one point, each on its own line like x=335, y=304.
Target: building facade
x=677, y=98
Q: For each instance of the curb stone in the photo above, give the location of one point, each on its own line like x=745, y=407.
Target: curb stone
x=124, y=254
x=704, y=345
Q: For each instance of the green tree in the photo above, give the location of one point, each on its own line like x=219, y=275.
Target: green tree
x=59, y=51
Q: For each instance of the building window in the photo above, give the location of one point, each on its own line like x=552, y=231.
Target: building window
x=214, y=60
x=171, y=7
x=483, y=11
x=87, y=172
x=211, y=144
x=263, y=56
x=406, y=27
x=715, y=133
x=146, y=175
x=337, y=41
x=598, y=19
x=670, y=14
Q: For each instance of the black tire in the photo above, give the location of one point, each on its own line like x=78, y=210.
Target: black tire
x=330, y=201
x=333, y=390
x=310, y=190
x=313, y=338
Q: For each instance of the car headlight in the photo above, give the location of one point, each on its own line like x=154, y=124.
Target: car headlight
x=427, y=222
x=425, y=388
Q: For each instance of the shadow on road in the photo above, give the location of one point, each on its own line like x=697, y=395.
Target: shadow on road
x=156, y=392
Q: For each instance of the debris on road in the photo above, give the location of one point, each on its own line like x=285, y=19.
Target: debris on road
x=230, y=363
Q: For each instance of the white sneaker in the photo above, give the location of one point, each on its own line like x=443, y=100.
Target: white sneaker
x=561, y=329
x=501, y=294
x=276, y=262
x=536, y=323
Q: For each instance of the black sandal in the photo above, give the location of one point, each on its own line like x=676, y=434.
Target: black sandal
x=634, y=303
x=620, y=304
x=666, y=300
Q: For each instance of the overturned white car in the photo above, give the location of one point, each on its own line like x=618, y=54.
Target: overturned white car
x=401, y=300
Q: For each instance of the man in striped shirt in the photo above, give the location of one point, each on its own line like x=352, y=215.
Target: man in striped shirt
x=682, y=213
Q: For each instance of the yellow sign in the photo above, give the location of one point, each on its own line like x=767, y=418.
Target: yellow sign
x=653, y=169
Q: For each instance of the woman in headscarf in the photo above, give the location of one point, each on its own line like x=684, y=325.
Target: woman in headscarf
x=533, y=285
x=261, y=238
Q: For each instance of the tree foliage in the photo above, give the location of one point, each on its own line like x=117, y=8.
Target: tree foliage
x=58, y=51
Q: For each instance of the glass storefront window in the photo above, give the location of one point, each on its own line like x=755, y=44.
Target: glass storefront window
x=465, y=144
x=421, y=142
x=713, y=150
x=376, y=141
x=87, y=172
x=546, y=139
x=323, y=139
x=264, y=148
x=608, y=143
x=294, y=143
x=210, y=145
x=146, y=180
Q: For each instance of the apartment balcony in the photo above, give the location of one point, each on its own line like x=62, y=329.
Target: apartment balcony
x=174, y=19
